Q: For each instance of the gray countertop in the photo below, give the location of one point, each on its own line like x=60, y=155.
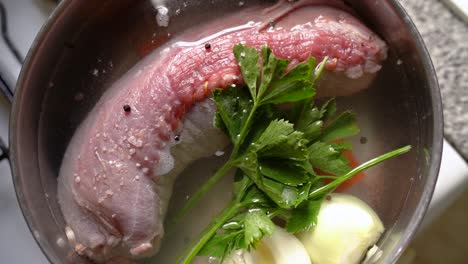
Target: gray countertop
x=446, y=37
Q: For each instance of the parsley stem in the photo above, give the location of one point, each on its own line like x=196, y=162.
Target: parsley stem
x=332, y=185
x=243, y=132
x=192, y=251
x=202, y=190
x=327, y=177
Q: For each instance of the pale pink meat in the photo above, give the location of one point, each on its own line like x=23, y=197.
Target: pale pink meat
x=117, y=173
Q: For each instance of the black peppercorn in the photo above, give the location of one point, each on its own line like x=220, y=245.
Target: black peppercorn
x=363, y=140
x=127, y=108
x=207, y=46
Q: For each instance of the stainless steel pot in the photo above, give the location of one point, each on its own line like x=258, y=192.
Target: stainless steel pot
x=58, y=86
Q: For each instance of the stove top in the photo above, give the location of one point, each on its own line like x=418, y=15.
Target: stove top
x=19, y=23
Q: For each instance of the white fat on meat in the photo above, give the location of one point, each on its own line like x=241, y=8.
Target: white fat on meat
x=96, y=236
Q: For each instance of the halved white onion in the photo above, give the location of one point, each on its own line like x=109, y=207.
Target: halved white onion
x=346, y=228
x=279, y=248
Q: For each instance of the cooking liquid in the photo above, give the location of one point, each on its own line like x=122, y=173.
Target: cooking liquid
x=384, y=112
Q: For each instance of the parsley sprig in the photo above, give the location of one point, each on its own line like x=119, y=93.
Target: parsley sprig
x=238, y=108
x=279, y=155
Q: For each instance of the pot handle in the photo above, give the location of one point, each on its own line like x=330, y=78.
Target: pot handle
x=5, y=89
x=4, y=150
x=9, y=95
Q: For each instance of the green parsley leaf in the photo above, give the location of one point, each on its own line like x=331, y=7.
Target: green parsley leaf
x=271, y=68
x=341, y=146
x=284, y=196
x=251, y=195
x=219, y=244
x=284, y=171
x=219, y=123
x=303, y=192
x=307, y=104
x=281, y=194
x=274, y=190
x=257, y=225
x=319, y=70
x=232, y=225
x=294, y=86
x=306, y=166
x=310, y=122
x=328, y=159
x=241, y=184
x=294, y=146
x=328, y=109
x=343, y=126
x=248, y=163
x=233, y=106
x=276, y=133
x=294, y=92
x=309, y=115
x=304, y=216
x=312, y=130
x=280, y=140
x=248, y=62
x=256, y=197
x=266, y=112
x=283, y=153
x=301, y=72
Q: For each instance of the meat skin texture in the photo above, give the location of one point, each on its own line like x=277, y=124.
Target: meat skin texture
x=117, y=173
